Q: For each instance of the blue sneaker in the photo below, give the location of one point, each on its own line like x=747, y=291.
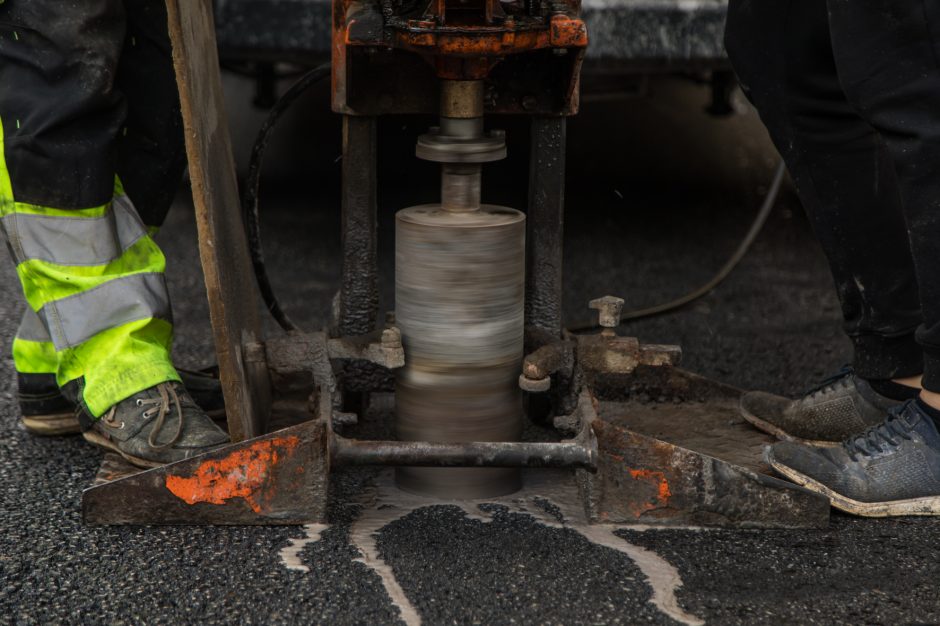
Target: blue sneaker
x=890, y=469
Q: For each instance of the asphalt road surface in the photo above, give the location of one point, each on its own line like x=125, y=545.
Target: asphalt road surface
x=658, y=197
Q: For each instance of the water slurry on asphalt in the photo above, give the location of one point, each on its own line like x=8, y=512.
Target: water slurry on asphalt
x=550, y=498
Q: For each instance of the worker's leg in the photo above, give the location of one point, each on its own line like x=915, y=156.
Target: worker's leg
x=150, y=162
x=782, y=53
x=86, y=263
x=87, y=266
x=887, y=52
x=44, y=410
x=892, y=76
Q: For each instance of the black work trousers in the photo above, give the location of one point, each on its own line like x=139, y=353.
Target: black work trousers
x=87, y=91
x=850, y=93
x=91, y=151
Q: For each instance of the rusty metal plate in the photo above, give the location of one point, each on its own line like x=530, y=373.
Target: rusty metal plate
x=674, y=451
x=280, y=478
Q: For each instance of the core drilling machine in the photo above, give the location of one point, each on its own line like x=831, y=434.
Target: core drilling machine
x=477, y=323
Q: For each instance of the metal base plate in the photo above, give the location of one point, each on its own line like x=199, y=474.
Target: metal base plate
x=675, y=451
x=672, y=451
x=279, y=478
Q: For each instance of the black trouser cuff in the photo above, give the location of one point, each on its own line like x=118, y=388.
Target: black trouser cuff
x=878, y=357
x=931, y=380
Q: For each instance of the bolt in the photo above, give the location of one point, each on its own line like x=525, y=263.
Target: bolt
x=609, y=309
x=391, y=337
x=530, y=102
x=341, y=418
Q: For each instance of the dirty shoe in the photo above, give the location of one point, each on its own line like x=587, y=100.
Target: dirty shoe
x=157, y=426
x=45, y=410
x=892, y=468
x=837, y=408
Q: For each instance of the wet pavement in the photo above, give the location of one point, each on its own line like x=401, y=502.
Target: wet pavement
x=648, y=219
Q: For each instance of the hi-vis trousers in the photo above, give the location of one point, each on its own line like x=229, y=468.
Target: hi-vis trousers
x=91, y=153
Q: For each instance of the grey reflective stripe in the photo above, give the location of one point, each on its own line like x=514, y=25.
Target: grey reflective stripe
x=75, y=240
x=31, y=327
x=78, y=318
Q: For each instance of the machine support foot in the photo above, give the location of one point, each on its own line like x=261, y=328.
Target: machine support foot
x=359, y=295
x=545, y=225
x=279, y=478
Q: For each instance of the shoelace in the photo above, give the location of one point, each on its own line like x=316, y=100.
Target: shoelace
x=159, y=407
x=841, y=378
x=872, y=440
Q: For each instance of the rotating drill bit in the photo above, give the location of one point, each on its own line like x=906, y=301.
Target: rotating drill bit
x=459, y=289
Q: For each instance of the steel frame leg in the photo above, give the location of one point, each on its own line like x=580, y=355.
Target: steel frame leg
x=545, y=225
x=359, y=294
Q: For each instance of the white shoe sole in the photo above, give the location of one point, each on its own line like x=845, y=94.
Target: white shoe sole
x=929, y=505
x=52, y=425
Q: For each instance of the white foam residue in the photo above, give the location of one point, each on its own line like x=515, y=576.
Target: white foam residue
x=290, y=554
x=550, y=498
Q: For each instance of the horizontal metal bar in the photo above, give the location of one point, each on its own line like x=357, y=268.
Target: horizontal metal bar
x=474, y=454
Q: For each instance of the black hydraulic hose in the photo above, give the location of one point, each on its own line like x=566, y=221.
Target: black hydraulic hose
x=769, y=201
x=250, y=194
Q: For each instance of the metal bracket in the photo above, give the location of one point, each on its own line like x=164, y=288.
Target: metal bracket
x=673, y=451
x=279, y=478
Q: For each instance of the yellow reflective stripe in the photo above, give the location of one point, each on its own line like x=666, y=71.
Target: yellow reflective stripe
x=34, y=357
x=6, y=189
x=119, y=362
x=44, y=282
x=35, y=209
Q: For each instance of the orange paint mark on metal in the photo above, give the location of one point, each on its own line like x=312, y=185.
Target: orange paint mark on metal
x=661, y=495
x=244, y=473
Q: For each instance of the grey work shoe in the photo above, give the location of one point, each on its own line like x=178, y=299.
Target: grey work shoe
x=890, y=469
x=45, y=410
x=839, y=407
x=157, y=426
